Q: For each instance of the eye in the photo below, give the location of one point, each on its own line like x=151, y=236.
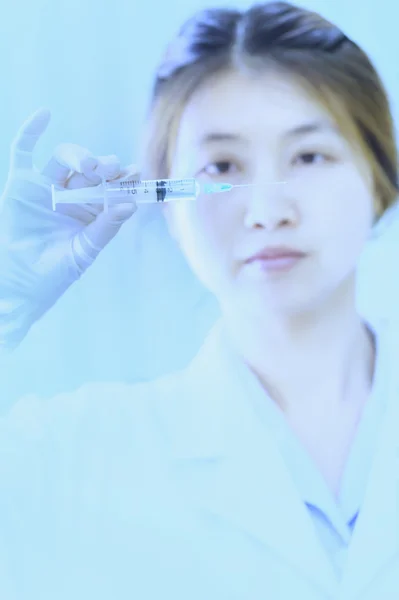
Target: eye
x=221, y=167
x=311, y=158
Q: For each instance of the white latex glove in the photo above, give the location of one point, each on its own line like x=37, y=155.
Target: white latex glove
x=42, y=252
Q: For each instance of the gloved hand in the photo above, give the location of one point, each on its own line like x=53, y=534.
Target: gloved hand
x=42, y=252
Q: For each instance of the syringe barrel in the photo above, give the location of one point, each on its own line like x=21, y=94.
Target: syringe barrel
x=139, y=191
x=153, y=191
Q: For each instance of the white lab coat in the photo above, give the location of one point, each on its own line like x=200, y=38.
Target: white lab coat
x=175, y=490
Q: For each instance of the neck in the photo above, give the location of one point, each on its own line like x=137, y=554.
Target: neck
x=321, y=354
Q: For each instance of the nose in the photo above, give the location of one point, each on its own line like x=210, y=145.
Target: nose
x=270, y=206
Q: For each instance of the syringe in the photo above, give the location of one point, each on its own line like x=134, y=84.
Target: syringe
x=147, y=191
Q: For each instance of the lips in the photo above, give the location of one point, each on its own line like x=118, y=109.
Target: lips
x=277, y=253
x=274, y=260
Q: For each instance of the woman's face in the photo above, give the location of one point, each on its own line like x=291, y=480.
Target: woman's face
x=263, y=131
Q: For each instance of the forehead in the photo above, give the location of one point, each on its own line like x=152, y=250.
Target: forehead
x=236, y=101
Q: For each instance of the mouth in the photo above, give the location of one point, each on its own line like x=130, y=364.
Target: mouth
x=275, y=260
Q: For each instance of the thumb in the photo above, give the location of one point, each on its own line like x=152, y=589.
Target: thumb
x=107, y=224
x=27, y=137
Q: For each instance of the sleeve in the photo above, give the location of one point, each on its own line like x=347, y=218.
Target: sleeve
x=43, y=445
x=34, y=435
x=37, y=432
x=25, y=443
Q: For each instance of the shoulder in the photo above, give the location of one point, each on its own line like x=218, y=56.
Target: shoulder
x=97, y=424
x=93, y=406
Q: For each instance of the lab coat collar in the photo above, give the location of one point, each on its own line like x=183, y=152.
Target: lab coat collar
x=375, y=542
x=228, y=464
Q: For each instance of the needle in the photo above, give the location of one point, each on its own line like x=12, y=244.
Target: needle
x=215, y=188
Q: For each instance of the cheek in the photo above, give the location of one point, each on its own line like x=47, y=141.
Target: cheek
x=192, y=228
x=205, y=234
x=345, y=222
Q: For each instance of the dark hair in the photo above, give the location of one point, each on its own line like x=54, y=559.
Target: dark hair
x=291, y=39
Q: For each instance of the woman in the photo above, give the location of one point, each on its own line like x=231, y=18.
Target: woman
x=266, y=469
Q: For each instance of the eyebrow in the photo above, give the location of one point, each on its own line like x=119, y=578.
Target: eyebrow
x=299, y=131
x=307, y=128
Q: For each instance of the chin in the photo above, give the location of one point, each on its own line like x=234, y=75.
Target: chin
x=283, y=303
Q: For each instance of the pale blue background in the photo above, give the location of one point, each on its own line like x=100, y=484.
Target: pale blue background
x=92, y=64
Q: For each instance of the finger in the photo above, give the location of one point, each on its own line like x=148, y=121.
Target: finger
x=26, y=139
x=114, y=217
x=107, y=225
x=108, y=167
x=132, y=171
x=67, y=158
x=55, y=172
x=82, y=213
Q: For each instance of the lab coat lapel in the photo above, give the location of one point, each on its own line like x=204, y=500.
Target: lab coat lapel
x=228, y=465
x=375, y=542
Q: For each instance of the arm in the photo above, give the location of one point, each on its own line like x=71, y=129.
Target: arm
x=51, y=453
x=42, y=251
